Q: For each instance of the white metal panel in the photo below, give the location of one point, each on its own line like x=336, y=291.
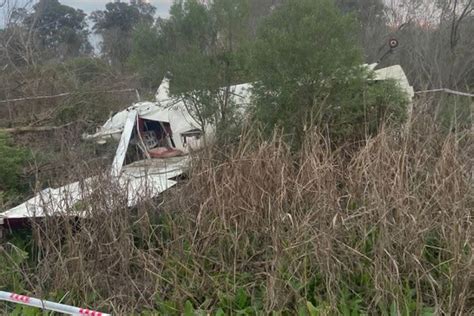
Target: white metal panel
x=140, y=180
x=123, y=145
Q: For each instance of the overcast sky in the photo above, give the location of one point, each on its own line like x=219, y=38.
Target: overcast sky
x=162, y=6
x=162, y=9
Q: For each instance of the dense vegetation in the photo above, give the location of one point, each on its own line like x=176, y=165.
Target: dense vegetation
x=325, y=198
x=12, y=159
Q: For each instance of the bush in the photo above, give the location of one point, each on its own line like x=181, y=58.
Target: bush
x=12, y=161
x=147, y=55
x=309, y=68
x=371, y=105
x=454, y=113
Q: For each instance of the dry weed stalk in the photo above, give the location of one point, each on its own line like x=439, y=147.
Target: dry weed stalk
x=286, y=227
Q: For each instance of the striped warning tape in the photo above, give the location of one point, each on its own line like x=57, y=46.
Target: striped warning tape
x=19, y=298
x=47, y=305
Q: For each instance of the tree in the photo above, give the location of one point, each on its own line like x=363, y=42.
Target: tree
x=364, y=9
x=116, y=24
x=61, y=31
x=436, y=43
x=203, y=47
x=16, y=44
x=372, y=28
x=308, y=64
x=259, y=10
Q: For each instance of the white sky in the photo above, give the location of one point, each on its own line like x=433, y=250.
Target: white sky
x=162, y=6
x=162, y=9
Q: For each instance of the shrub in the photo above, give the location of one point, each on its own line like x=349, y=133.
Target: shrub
x=308, y=64
x=12, y=161
x=371, y=105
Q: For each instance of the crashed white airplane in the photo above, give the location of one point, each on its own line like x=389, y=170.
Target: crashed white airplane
x=165, y=132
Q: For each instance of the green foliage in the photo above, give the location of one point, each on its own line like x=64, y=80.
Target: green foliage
x=21, y=310
x=189, y=309
x=116, y=24
x=86, y=71
x=122, y=15
x=84, y=75
x=305, y=53
x=204, y=48
x=368, y=106
x=12, y=257
x=308, y=64
x=147, y=56
x=321, y=310
x=60, y=29
x=365, y=9
x=455, y=114
x=12, y=161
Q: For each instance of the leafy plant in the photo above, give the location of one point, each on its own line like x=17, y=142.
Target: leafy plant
x=12, y=161
x=308, y=65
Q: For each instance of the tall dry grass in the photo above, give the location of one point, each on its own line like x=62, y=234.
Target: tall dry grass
x=384, y=226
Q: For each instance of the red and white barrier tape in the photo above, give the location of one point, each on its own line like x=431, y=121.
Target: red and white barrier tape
x=47, y=305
